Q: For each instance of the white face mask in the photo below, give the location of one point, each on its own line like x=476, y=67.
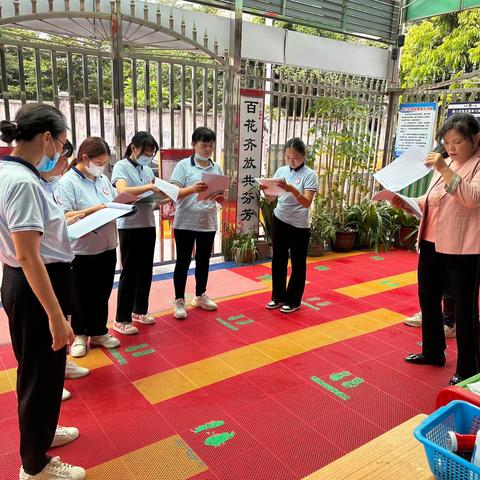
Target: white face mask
x=201, y=158
x=94, y=170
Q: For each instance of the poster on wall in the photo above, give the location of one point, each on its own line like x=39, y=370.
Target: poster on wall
x=250, y=149
x=466, y=107
x=416, y=126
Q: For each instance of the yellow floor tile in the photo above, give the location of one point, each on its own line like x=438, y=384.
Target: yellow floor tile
x=8, y=380
x=311, y=338
x=95, y=358
x=380, y=285
x=162, y=386
x=245, y=358
x=338, y=331
x=208, y=371
x=364, y=323
x=280, y=347
x=387, y=317
x=170, y=459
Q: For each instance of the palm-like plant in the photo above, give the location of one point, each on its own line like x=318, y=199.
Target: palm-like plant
x=374, y=222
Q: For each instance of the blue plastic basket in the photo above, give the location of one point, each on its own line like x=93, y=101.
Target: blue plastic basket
x=457, y=416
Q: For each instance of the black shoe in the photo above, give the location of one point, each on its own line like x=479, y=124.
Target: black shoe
x=272, y=305
x=289, y=309
x=420, y=359
x=455, y=379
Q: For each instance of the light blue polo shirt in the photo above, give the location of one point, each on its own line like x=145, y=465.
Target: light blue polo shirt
x=24, y=206
x=135, y=176
x=191, y=214
x=75, y=191
x=288, y=208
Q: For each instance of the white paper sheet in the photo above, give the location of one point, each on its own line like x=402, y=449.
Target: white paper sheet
x=389, y=196
x=98, y=219
x=216, y=184
x=167, y=188
x=272, y=190
x=405, y=170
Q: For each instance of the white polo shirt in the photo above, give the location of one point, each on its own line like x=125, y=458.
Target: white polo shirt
x=25, y=206
x=289, y=209
x=191, y=214
x=75, y=191
x=135, y=176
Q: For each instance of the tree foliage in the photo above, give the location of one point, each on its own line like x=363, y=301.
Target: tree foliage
x=440, y=47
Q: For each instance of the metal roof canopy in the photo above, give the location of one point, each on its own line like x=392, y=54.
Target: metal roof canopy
x=371, y=19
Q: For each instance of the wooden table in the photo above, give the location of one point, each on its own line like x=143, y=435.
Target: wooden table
x=396, y=454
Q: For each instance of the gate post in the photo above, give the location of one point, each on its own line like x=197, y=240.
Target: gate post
x=118, y=100
x=232, y=101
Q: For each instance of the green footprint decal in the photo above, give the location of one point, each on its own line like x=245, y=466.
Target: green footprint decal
x=338, y=376
x=219, y=439
x=209, y=426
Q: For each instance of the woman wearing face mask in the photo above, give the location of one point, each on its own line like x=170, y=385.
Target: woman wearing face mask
x=36, y=254
x=84, y=190
x=291, y=228
x=195, y=222
x=450, y=248
x=137, y=234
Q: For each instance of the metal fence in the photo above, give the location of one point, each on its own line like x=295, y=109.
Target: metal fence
x=171, y=96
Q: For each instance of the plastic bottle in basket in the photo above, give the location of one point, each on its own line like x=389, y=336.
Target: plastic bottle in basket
x=476, y=451
x=458, y=443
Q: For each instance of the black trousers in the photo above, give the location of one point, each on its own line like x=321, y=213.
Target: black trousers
x=41, y=371
x=92, y=282
x=448, y=306
x=137, y=246
x=287, y=238
x=184, y=241
x=462, y=272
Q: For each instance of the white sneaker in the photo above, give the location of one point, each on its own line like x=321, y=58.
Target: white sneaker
x=180, y=309
x=64, y=435
x=145, y=319
x=204, y=302
x=72, y=370
x=414, y=320
x=107, y=341
x=65, y=395
x=56, y=470
x=450, y=332
x=125, y=328
x=79, y=347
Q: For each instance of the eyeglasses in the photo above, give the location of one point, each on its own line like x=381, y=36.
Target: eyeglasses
x=67, y=150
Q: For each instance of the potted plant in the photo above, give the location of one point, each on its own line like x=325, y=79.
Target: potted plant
x=264, y=246
x=322, y=229
x=406, y=229
x=344, y=160
x=375, y=224
x=244, y=248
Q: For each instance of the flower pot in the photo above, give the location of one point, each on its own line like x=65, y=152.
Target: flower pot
x=344, y=241
x=316, y=248
x=265, y=250
x=245, y=257
x=406, y=238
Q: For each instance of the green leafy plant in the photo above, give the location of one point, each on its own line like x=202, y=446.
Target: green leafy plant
x=343, y=155
x=266, y=218
x=406, y=228
x=322, y=228
x=243, y=247
x=374, y=223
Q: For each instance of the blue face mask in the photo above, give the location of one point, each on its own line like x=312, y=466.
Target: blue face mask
x=144, y=160
x=47, y=164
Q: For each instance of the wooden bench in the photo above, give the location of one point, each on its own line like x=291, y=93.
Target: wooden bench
x=396, y=454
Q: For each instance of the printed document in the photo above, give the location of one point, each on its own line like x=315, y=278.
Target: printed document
x=101, y=217
x=272, y=189
x=169, y=193
x=388, y=195
x=405, y=170
x=216, y=184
